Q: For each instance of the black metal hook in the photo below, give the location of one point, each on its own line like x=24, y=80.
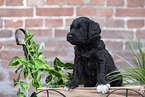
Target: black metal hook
x=18, y=43
x=47, y=90
x=24, y=46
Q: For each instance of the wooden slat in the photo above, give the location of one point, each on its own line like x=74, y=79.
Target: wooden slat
x=91, y=92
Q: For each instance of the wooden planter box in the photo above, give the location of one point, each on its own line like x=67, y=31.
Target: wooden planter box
x=91, y=92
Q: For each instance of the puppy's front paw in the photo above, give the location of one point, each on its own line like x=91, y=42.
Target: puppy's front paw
x=103, y=88
x=67, y=88
x=70, y=86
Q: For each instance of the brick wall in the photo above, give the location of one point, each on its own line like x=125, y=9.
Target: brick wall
x=49, y=21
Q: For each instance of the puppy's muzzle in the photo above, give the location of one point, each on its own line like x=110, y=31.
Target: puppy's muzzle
x=69, y=37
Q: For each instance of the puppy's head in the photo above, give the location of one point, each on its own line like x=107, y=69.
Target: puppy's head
x=83, y=31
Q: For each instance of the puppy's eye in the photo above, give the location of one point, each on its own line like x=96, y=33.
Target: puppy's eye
x=80, y=29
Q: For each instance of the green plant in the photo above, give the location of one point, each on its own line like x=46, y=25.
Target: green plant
x=59, y=76
x=32, y=64
x=29, y=66
x=133, y=74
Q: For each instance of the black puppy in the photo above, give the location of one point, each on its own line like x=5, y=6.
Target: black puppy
x=92, y=60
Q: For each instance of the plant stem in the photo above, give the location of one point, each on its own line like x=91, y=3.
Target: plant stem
x=27, y=90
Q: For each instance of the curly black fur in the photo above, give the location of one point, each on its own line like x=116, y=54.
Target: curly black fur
x=92, y=61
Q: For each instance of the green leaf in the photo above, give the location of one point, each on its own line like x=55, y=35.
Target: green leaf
x=33, y=43
x=17, y=80
x=39, y=49
x=31, y=64
x=34, y=94
x=35, y=73
x=39, y=78
x=69, y=66
x=57, y=62
x=20, y=94
x=39, y=64
x=43, y=58
x=24, y=85
x=142, y=54
x=55, y=72
x=21, y=66
x=27, y=32
x=48, y=79
x=26, y=71
x=27, y=38
x=36, y=84
x=23, y=61
x=137, y=58
x=48, y=66
x=14, y=61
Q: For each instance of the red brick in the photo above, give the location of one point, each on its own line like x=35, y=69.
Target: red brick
x=54, y=22
x=55, y=2
x=13, y=75
x=83, y=11
x=127, y=55
x=132, y=12
x=0, y=45
x=67, y=44
x=16, y=12
x=10, y=54
x=75, y=2
x=69, y=21
x=61, y=33
x=34, y=23
x=55, y=44
x=8, y=95
x=114, y=45
x=54, y=11
x=115, y=34
x=5, y=64
x=10, y=44
x=35, y=2
x=115, y=2
x=96, y=2
x=14, y=2
x=1, y=23
x=1, y=2
x=31, y=88
x=55, y=53
x=21, y=35
x=135, y=3
x=5, y=33
x=100, y=21
x=127, y=47
x=1, y=77
x=13, y=23
x=39, y=33
x=114, y=23
x=141, y=34
x=123, y=64
x=135, y=23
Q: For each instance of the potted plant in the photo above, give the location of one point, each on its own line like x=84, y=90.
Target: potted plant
x=33, y=63
x=135, y=74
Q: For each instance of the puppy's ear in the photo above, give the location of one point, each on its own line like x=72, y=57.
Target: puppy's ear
x=94, y=30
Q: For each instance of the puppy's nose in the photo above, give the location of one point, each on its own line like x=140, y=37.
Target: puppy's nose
x=70, y=36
